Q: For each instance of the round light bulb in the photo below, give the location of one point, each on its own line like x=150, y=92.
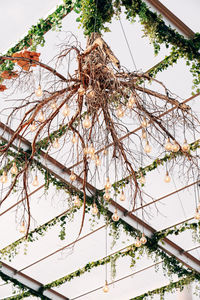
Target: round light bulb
x=122, y=196
x=167, y=178
x=35, y=181
x=87, y=123
x=77, y=201
x=197, y=215
x=85, y=150
x=105, y=288
x=106, y=196
x=97, y=161
x=108, y=184
x=147, y=148
x=144, y=123
x=66, y=111
x=91, y=150
x=14, y=169
x=138, y=243
x=41, y=117
x=22, y=228
x=120, y=112
x=56, y=144
x=175, y=147
x=81, y=90
x=73, y=139
x=39, y=92
x=185, y=147
x=4, y=177
x=33, y=126
x=115, y=216
x=144, y=134
x=95, y=209
x=143, y=239
x=142, y=179
x=168, y=145
x=72, y=176
x=53, y=105
x=91, y=92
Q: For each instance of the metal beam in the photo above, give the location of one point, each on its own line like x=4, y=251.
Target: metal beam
x=172, y=18
x=9, y=273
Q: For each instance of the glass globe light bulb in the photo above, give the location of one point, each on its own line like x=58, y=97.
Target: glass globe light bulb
x=73, y=139
x=147, y=148
x=91, y=92
x=142, y=179
x=106, y=196
x=54, y=105
x=33, y=126
x=22, y=228
x=105, y=288
x=14, y=169
x=72, y=176
x=35, y=181
x=77, y=201
x=85, y=150
x=144, y=123
x=41, y=117
x=120, y=112
x=81, y=90
x=185, y=147
x=122, y=196
x=97, y=161
x=4, y=177
x=175, y=147
x=138, y=242
x=108, y=184
x=143, y=239
x=66, y=111
x=167, y=178
x=95, y=209
x=87, y=123
x=115, y=216
x=168, y=145
x=197, y=215
x=144, y=134
x=39, y=92
x=56, y=144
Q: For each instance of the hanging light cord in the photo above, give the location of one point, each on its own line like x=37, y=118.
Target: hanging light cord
x=129, y=48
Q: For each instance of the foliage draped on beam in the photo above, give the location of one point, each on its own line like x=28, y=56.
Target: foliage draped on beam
x=170, y=288
x=35, y=35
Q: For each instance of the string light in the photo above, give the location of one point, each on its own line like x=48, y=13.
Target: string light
x=105, y=288
x=91, y=150
x=22, y=228
x=86, y=122
x=54, y=105
x=142, y=179
x=66, y=111
x=91, y=92
x=108, y=184
x=143, y=239
x=144, y=134
x=120, y=112
x=131, y=102
x=168, y=145
x=14, y=169
x=72, y=176
x=81, y=90
x=97, y=161
x=167, y=177
x=74, y=139
x=185, y=147
x=77, y=201
x=39, y=92
x=56, y=144
x=95, y=209
x=4, y=177
x=115, y=216
x=138, y=243
x=175, y=147
x=85, y=150
x=106, y=196
x=197, y=215
x=122, y=196
x=144, y=123
x=33, y=126
x=41, y=117
x=35, y=181
x=147, y=148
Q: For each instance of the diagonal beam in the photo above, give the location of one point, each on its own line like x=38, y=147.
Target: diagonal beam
x=18, y=278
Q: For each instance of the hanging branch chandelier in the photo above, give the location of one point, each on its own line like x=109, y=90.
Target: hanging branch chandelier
x=104, y=107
